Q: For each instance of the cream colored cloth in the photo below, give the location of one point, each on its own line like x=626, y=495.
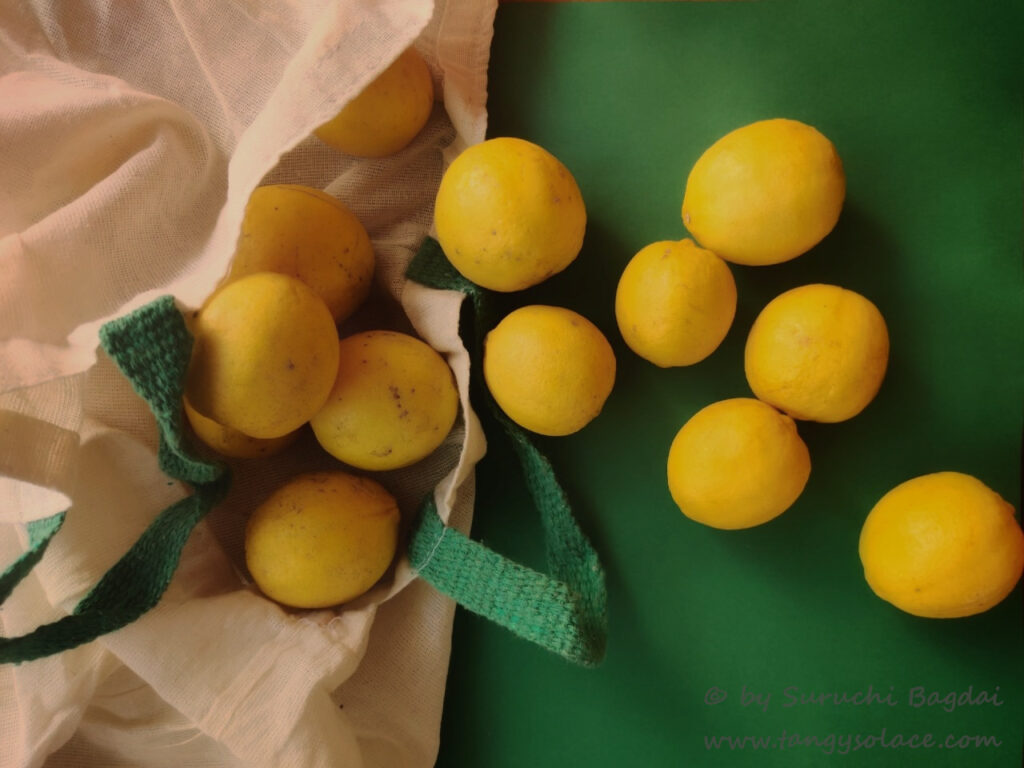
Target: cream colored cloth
x=131, y=135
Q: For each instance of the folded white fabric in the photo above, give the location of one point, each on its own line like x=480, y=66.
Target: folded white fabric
x=131, y=135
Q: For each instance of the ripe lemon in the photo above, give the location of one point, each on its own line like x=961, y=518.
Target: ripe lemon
x=230, y=442
x=322, y=539
x=736, y=464
x=509, y=215
x=765, y=193
x=265, y=355
x=306, y=233
x=388, y=114
x=675, y=303
x=393, y=402
x=549, y=369
x=818, y=352
x=942, y=546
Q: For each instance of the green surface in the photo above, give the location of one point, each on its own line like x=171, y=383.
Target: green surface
x=922, y=100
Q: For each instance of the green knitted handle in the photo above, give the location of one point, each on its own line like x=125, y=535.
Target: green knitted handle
x=39, y=534
x=566, y=611
x=151, y=347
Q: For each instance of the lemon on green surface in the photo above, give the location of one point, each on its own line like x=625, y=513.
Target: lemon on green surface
x=549, y=369
x=322, y=539
x=942, y=545
x=765, y=193
x=230, y=442
x=675, y=303
x=736, y=464
x=818, y=352
x=393, y=402
x=509, y=215
x=310, y=235
x=265, y=355
x=388, y=114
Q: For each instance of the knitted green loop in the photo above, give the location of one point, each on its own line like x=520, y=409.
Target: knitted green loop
x=565, y=612
x=39, y=534
x=151, y=346
x=533, y=605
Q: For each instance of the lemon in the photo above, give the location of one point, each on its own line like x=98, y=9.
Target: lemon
x=549, y=369
x=818, y=352
x=389, y=112
x=509, y=215
x=230, y=442
x=675, y=303
x=393, y=402
x=736, y=464
x=306, y=233
x=765, y=193
x=322, y=539
x=265, y=355
x=942, y=545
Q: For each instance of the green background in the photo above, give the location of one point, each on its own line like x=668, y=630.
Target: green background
x=923, y=102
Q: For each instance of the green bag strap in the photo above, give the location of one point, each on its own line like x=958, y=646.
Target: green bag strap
x=151, y=346
x=565, y=612
x=39, y=534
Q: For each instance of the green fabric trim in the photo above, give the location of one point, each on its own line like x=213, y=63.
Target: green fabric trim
x=151, y=346
x=39, y=534
x=565, y=612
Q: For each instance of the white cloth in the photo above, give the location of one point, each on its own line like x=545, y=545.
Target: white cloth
x=131, y=135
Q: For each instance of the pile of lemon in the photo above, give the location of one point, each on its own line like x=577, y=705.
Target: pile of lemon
x=270, y=357
x=509, y=215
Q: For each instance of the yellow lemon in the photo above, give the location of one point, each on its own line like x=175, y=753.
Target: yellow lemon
x=818, y=352
x=389, y=112
x=265, y=355
x=942, y=546
x=549, y=369
x=509, y=215
x=736, y=464
x=393, y=402
x=322, y=539
x=675, y=303
x=765, y=193
x=230, y=442
x=306, y=233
